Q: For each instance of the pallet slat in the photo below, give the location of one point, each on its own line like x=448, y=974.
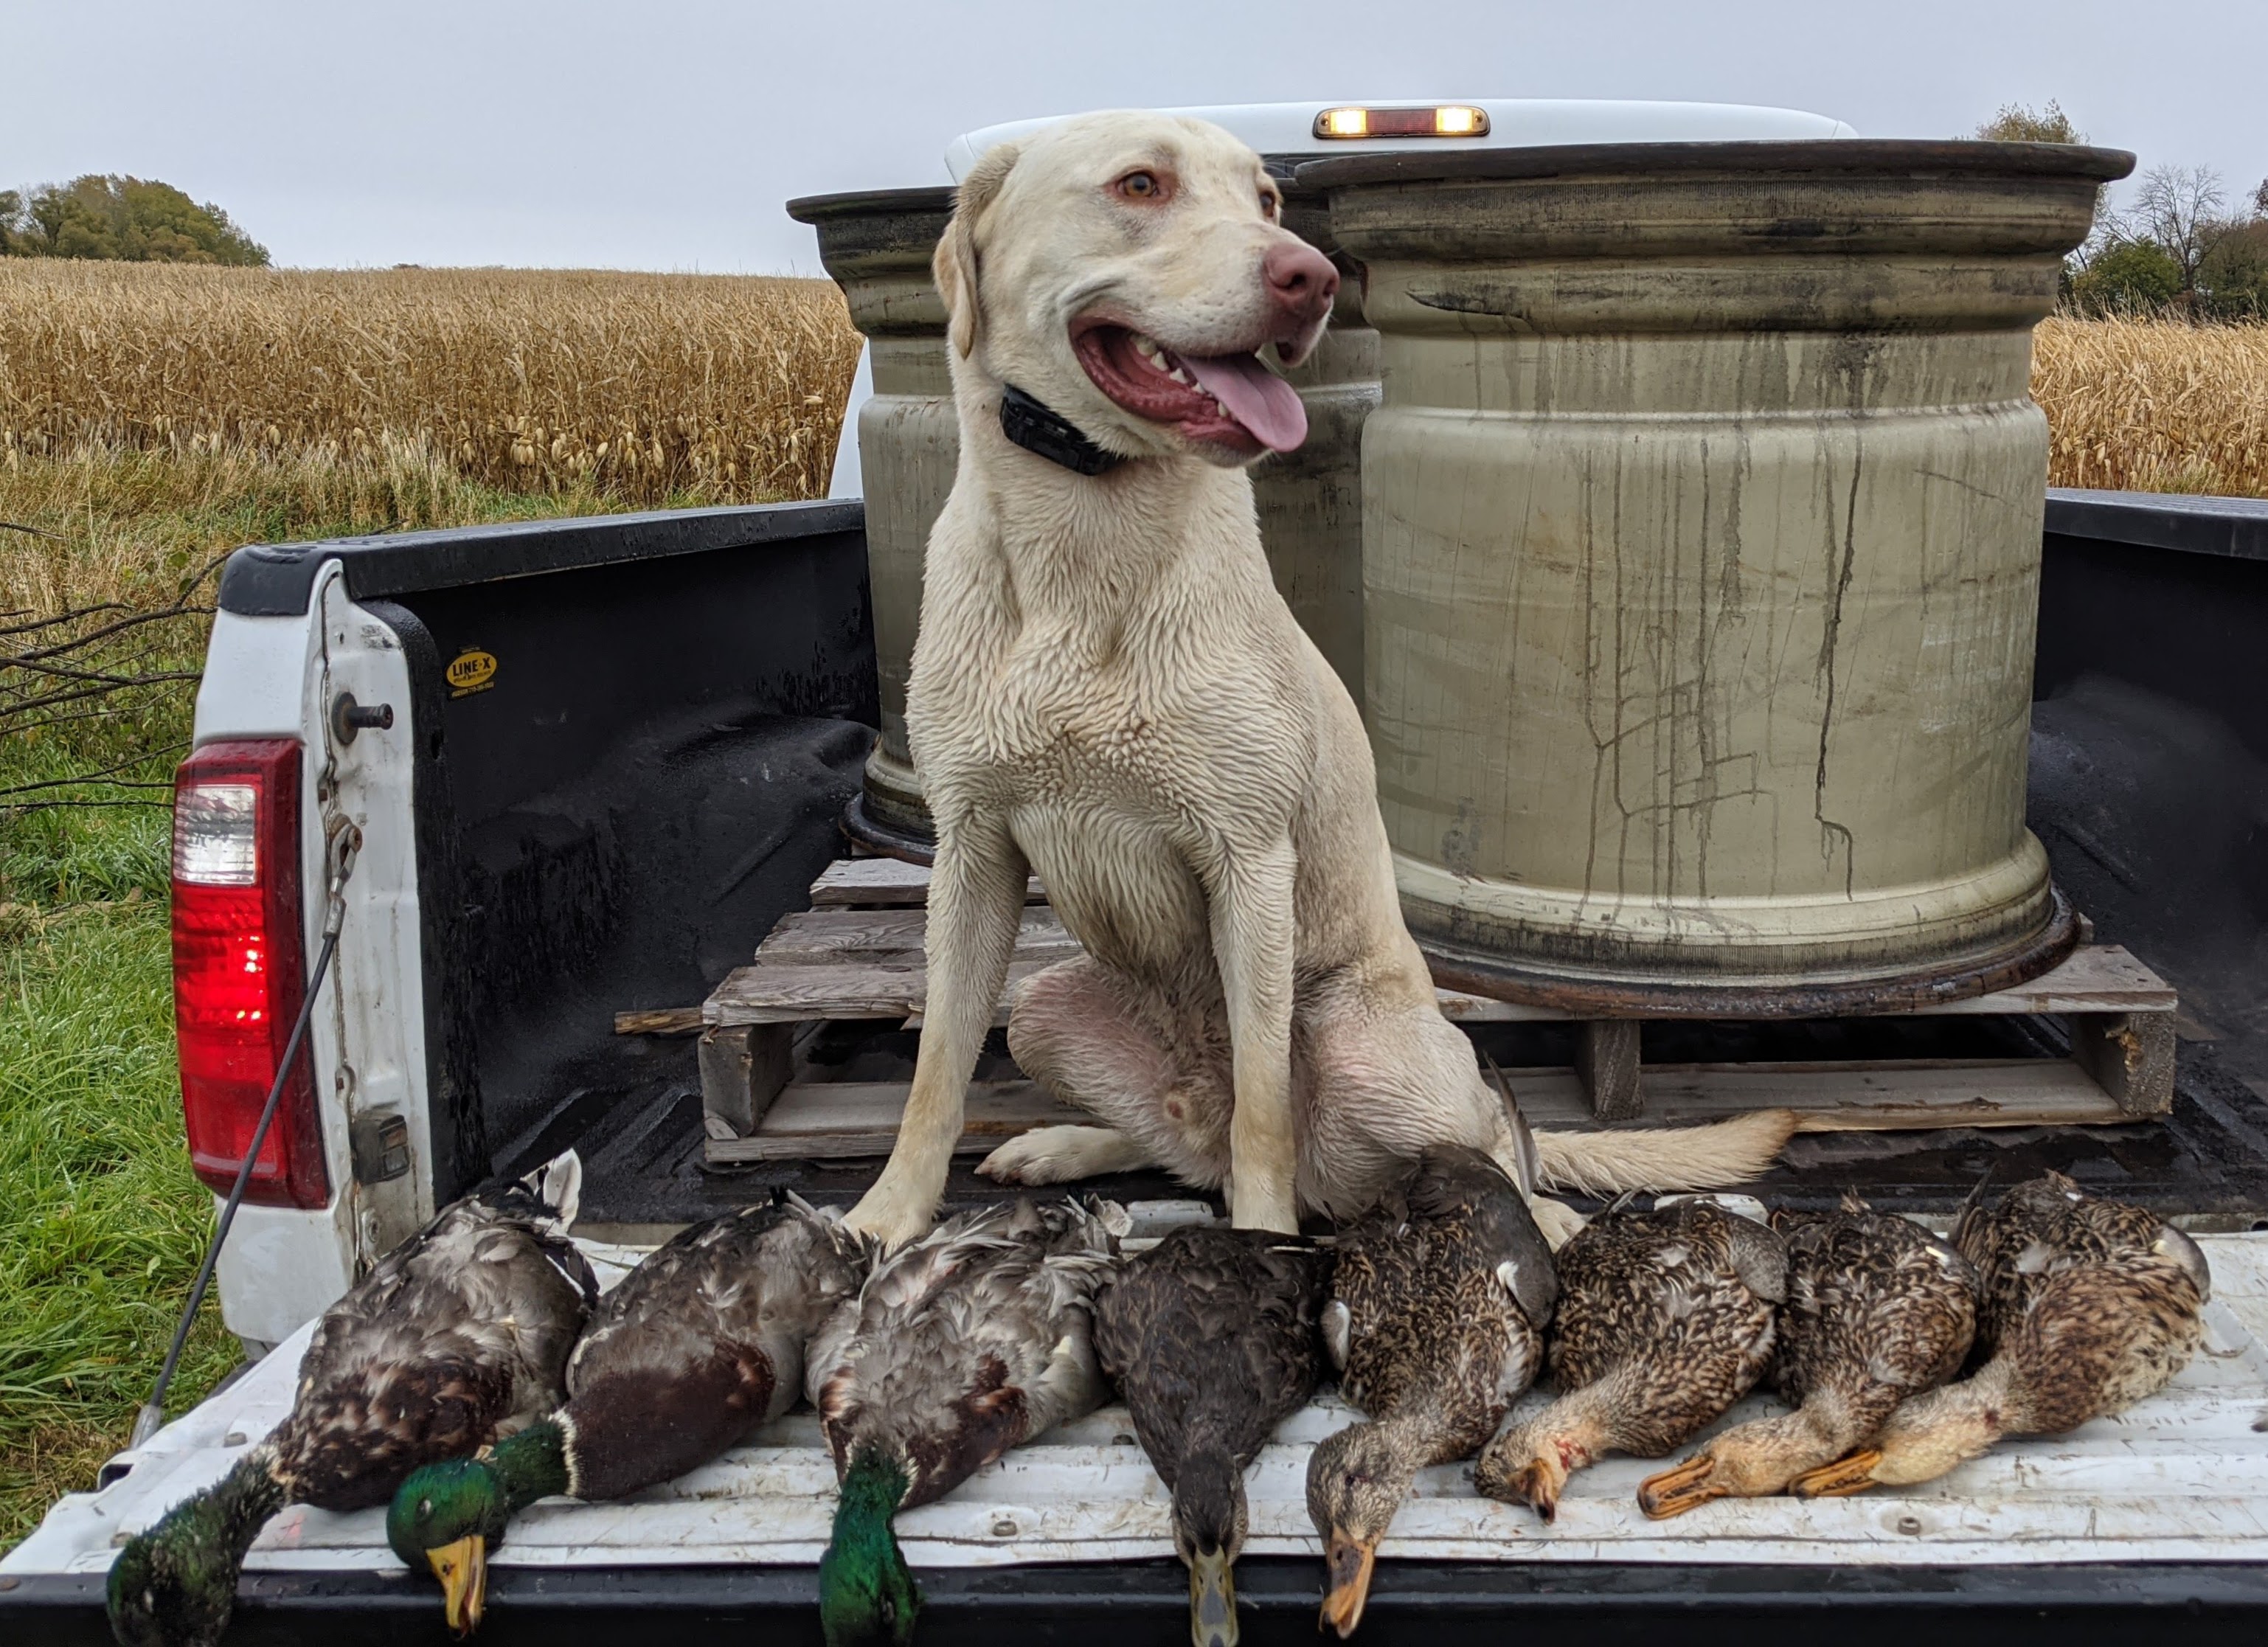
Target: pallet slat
x=858, y=1120
x=812, y=964
x=857, y=954
x=851, y=1120
x=884, y=881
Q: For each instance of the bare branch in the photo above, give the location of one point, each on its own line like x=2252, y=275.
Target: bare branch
x=103, y=775
x=19, y=810
x=88, y=639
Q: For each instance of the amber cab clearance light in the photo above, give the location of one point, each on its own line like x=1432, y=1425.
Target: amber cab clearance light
x=240, y=968
x=1441, y=120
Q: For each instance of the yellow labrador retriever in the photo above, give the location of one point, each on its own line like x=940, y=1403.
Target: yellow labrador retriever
x=1109, y=690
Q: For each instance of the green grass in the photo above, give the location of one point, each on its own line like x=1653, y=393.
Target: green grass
x=101, y=1224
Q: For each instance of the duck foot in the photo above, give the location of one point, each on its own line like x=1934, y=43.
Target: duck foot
x=1672, y=1492
x=1840, y=1479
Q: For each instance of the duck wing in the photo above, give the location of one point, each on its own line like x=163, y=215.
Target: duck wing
x=1645, y=1282
x=703, y=1343
x=460, y=1335
x=1463, y=1191
x=1876, y=1305
x=968, y=1343
x=1214, y=1333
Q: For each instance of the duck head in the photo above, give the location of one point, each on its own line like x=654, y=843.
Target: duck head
x=1208, y=1527
x=1356, y=1479
x=445, y=1517
x=867, y=1597
x=175, y=1585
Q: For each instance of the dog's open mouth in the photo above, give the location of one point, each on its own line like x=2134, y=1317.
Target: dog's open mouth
x=1222, y=399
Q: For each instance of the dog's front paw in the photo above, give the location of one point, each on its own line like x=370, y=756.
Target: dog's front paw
x=889, y=1216
x=1045, y=1155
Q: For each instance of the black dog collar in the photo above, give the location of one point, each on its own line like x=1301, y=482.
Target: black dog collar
x=1050, y=434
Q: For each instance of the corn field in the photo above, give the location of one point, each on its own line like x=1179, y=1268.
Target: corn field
x=641, y=388
x=2154, y=406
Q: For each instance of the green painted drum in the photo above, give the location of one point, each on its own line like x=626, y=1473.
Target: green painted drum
x=1701, y=539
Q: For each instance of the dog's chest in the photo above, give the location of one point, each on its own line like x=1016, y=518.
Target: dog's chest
x=1063, y=716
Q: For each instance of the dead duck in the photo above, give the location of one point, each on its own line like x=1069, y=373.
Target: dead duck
x=2043, y=1227
x=1878, y=1309
x=1213, y=1336
x=1440, y=1300
x=959, y=1346
x=2090, y=1305
x=457, y=1337
x=1665, y=1320
x=698, y=1346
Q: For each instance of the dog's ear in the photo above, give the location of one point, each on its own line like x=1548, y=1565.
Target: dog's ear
x=955, y=266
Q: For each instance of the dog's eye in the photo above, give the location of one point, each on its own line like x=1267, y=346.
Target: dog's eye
x=1138, y=186
x=1269, y=206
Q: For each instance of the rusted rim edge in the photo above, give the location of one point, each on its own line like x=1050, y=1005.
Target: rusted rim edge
x=1790, y=159
x=904, y=846
x=870, y=202
x=1455, y=968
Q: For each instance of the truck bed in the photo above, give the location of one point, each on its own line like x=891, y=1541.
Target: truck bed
x=2177, y=1485
x=654, y=663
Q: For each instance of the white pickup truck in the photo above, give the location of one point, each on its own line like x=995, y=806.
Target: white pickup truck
x=617, y=752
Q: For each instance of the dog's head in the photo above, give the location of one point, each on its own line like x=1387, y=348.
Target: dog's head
x=1127, y=269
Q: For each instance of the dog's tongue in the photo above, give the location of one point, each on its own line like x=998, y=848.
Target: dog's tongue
x=1269, y=407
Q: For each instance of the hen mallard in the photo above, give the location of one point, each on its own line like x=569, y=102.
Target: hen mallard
x=1439, y=1299
x=1212, y=1338
x=457, y=1337
x=959, y=1346
x=1878, y=1309
x=2089, y=1305
x=1665, y=1320
x=698, y=1346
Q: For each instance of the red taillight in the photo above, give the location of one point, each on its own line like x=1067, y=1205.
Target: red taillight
x=240, y=969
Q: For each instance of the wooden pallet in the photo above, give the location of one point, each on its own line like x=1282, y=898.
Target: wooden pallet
x=857, y=954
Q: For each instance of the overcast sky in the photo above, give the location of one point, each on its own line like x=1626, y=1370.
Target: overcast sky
x=664, y=134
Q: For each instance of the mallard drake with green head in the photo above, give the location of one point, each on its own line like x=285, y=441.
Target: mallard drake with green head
x=457, y=1337
x=1212, y=1337
x=1438, y=1302
x=1665, y=1320
x=2090, y=1305
x=960, y=1346
x=698, y=1346
x=1878, y=1309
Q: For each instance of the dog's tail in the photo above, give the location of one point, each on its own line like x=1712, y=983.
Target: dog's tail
x=1711, y=1157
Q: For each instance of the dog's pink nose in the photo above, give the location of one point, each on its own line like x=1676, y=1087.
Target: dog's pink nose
x=1301, y=281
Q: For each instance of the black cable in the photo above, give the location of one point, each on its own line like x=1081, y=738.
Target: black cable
x=152, y=1415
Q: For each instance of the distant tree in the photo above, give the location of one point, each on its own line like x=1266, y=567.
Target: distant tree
x=2179, y=207
x=126, y=218
x=2127, y=277
x=2233, y=276
x=2018, y=123
x=2260, y=199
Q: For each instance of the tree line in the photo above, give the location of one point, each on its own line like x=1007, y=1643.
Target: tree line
x=128, y=219
x=2179, y=246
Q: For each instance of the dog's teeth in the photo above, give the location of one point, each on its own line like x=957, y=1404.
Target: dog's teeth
x=1180, y=374
x=1218, y=407
x=1146, y=347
